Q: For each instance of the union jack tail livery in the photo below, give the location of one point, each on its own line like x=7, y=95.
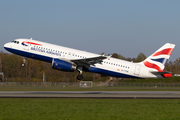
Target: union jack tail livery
x=157, y=61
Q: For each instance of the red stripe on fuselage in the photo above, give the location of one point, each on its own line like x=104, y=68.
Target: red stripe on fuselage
x=167, y=51
x=32, y=43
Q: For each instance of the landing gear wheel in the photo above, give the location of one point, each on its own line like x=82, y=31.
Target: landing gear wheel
x=80, y=77
x=23, y=65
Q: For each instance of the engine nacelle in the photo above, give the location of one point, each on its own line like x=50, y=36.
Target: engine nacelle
x=63, y=65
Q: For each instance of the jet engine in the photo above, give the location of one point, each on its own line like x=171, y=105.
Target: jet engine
x=63, y=65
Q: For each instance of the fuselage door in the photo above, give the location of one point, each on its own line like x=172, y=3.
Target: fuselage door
x=137, y=69
x=26, y=45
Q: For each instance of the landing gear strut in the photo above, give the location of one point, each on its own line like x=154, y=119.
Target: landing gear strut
x=24, y=61
x=80, y=76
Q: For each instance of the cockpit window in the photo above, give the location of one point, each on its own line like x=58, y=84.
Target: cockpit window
x=17, y=42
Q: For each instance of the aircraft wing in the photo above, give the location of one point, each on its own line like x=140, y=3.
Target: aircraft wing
x=89, y=61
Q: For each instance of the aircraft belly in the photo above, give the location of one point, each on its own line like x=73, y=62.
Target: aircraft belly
x=30, y=55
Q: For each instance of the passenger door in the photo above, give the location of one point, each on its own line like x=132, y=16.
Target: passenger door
x=137, y=69
x=26, y=46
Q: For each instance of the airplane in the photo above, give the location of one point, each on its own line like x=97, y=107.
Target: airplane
x=69, y=60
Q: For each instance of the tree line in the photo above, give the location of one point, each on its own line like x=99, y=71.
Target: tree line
x=10, y=65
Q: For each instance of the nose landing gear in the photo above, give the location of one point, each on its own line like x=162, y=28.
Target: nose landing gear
x=24, y=61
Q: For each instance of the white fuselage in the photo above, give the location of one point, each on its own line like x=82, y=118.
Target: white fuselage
x=110, y=66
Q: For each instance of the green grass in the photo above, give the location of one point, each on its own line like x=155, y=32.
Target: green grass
x=89, y=109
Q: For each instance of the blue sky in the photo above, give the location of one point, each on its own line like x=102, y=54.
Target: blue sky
x=126, y=27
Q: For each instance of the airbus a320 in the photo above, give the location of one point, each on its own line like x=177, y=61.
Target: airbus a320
x=68, y=59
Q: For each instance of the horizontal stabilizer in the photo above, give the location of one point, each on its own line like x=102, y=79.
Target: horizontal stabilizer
x=160, y=73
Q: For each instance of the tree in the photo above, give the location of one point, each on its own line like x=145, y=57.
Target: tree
x=176, y=64
x=103, y=53
x=121, y=57
x=114, y=55
x=140, y=57
x=33, y=70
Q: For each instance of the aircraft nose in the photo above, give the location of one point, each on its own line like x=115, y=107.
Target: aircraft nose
x=6, y=45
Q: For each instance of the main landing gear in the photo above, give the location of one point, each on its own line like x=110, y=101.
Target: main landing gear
x=80, y=76
x=24, y=61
